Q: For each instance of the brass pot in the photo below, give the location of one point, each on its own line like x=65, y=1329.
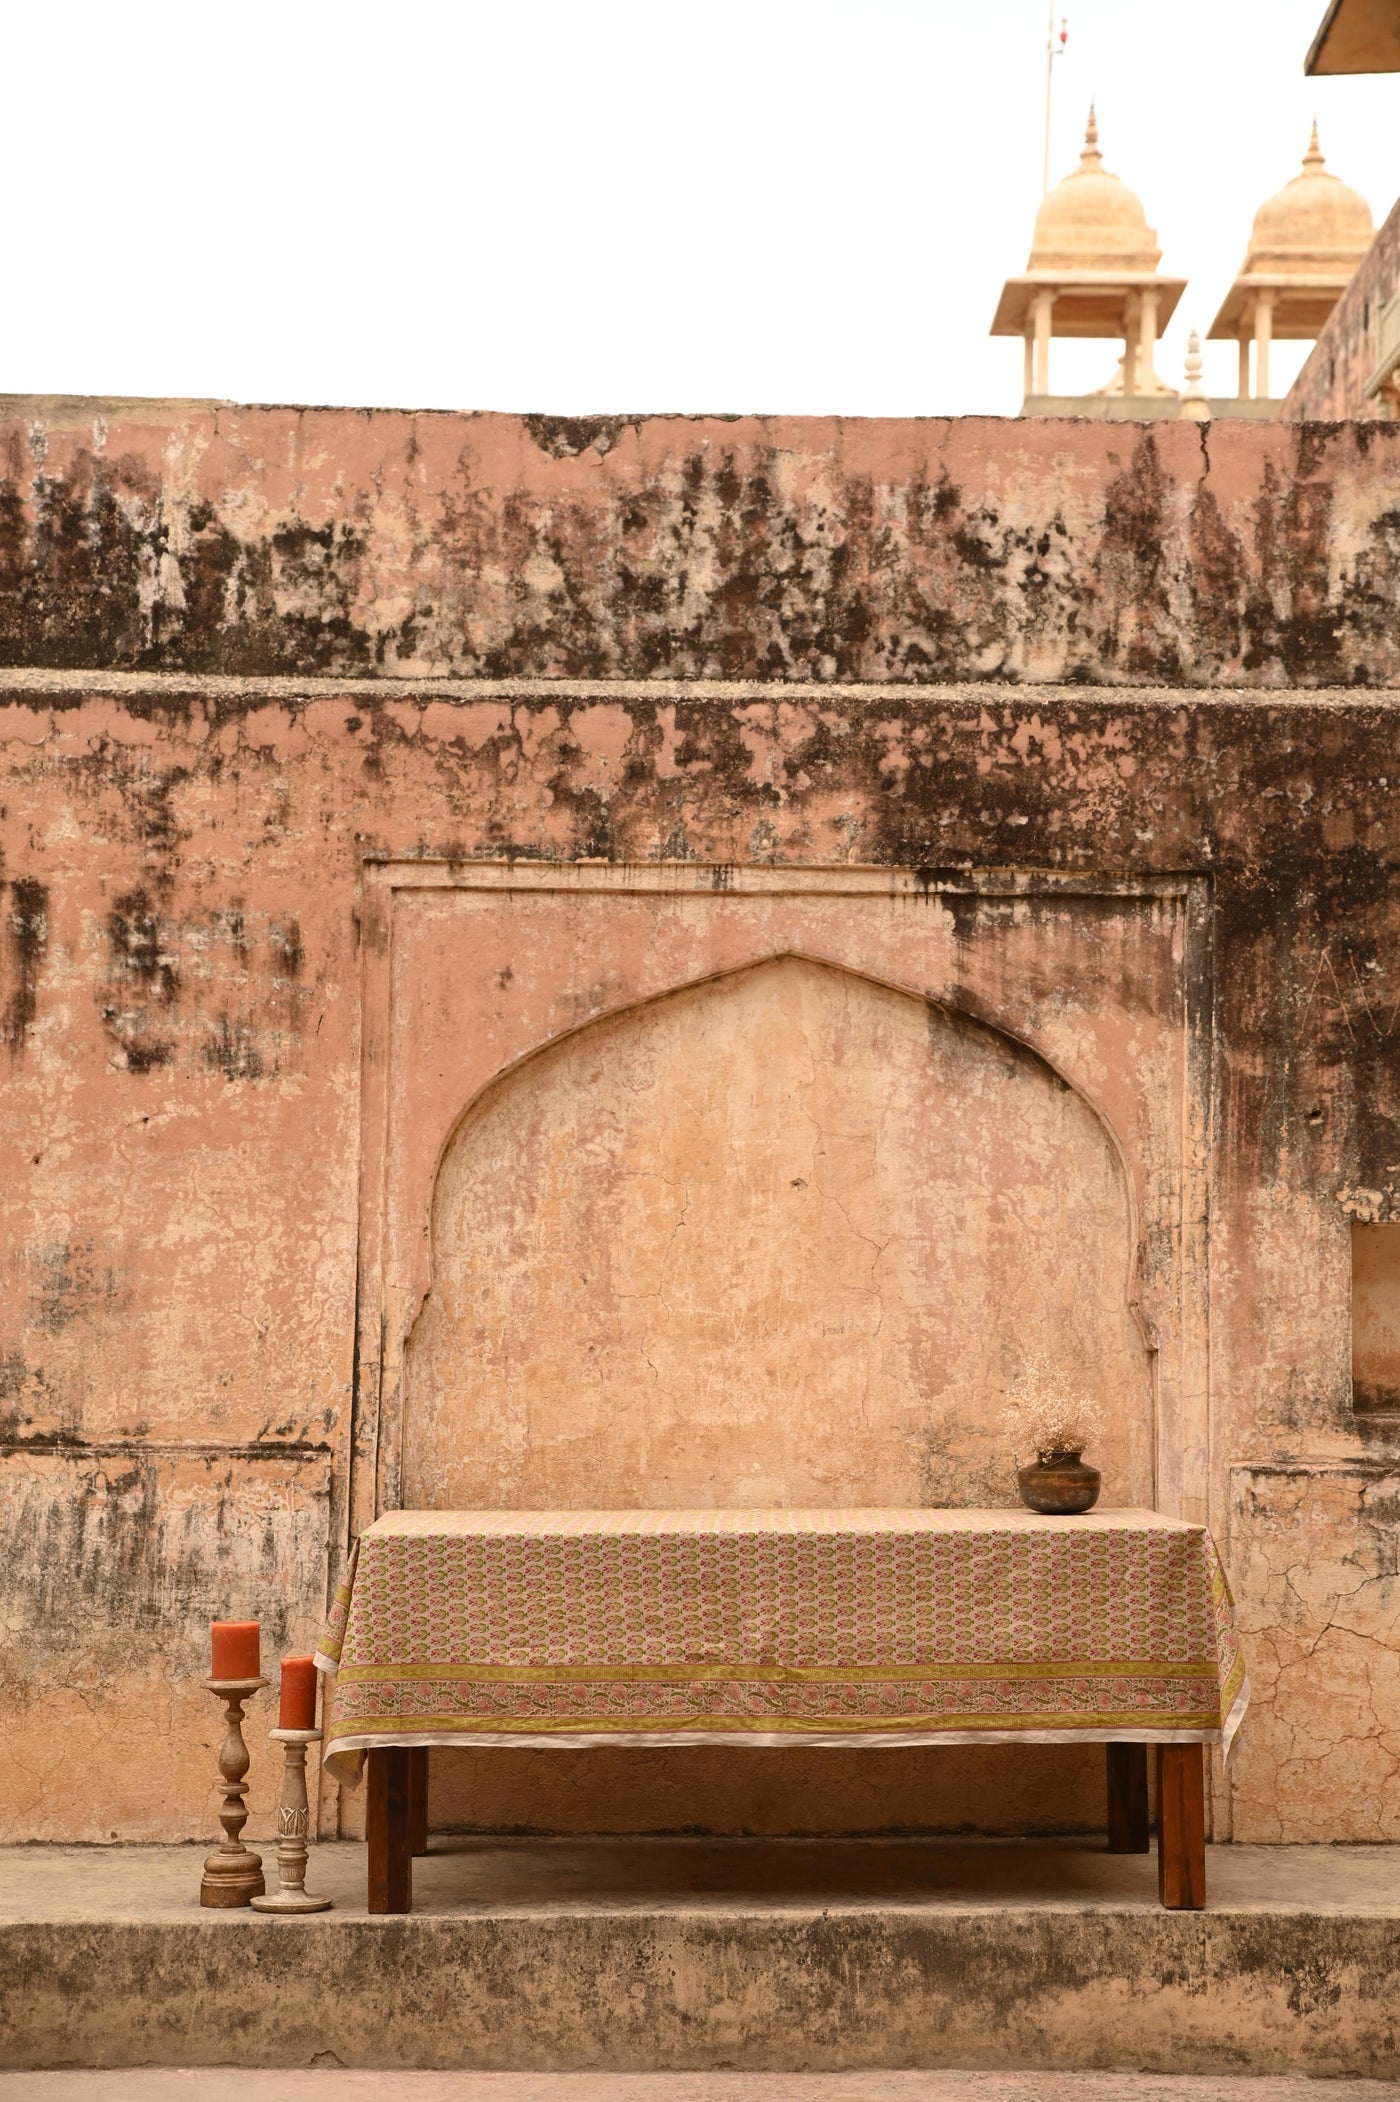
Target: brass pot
x=1059, y=1484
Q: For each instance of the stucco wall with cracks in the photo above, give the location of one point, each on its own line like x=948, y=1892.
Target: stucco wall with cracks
x=249, y=648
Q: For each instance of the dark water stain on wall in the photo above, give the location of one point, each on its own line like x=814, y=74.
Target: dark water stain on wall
x=68, y=1279
x=27, y=930
x=154, y=1542
x=142, y=983
x=231, y=1049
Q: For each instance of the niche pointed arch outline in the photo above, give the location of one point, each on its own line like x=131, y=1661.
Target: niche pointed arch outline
x=967, y=1016
x=514, y=1391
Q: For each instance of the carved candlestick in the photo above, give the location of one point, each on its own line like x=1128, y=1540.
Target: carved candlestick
x=233, y=1875
x=293, y=1819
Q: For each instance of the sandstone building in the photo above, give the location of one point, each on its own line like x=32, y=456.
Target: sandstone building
x=1304, y=249
x=1094, y=272
x=648, y=959
x=1354, y=368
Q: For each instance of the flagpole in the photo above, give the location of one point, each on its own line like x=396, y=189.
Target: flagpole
x=1052, y=52
x=1049, y=79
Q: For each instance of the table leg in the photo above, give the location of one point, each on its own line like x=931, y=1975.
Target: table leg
x=1181, y=1826
x=1128, y=1828
x=418, y=1799
x=387, y=1830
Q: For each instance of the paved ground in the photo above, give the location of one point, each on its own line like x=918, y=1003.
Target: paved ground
x=332, y=2086
x=468, y=1877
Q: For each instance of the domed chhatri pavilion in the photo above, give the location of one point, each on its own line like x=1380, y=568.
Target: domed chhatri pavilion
x=1093, y=271
x=1303, y=251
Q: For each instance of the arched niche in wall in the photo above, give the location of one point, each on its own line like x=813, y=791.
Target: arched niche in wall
x=782, y=1236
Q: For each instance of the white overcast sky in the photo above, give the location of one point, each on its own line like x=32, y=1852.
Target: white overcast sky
x=782, y=205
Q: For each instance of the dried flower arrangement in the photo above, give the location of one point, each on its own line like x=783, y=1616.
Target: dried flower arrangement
x=1043, y=1417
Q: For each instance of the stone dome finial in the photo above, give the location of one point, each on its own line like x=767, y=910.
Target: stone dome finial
x=1092, y=220
x=1304, y=246
x=1091, y=157
x=1313, y=225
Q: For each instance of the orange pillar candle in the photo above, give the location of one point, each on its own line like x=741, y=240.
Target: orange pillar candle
x=297, y=1710
x=237, y=1650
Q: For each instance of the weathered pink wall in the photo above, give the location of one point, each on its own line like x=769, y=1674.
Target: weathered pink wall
x=185, y=538
x=250, y=649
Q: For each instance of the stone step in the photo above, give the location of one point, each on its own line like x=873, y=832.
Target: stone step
x=707, y=1955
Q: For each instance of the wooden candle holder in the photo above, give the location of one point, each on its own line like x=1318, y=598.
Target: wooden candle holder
x=233, y=1875
x=293, y=1821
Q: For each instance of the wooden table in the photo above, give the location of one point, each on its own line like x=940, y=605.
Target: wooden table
x=779, y=1627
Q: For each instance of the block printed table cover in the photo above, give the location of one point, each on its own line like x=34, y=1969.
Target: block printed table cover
x=774, y=1627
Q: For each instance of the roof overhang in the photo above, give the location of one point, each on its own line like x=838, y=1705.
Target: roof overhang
x=1301, y=306
x=1088, y=304
x=1357, y=36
